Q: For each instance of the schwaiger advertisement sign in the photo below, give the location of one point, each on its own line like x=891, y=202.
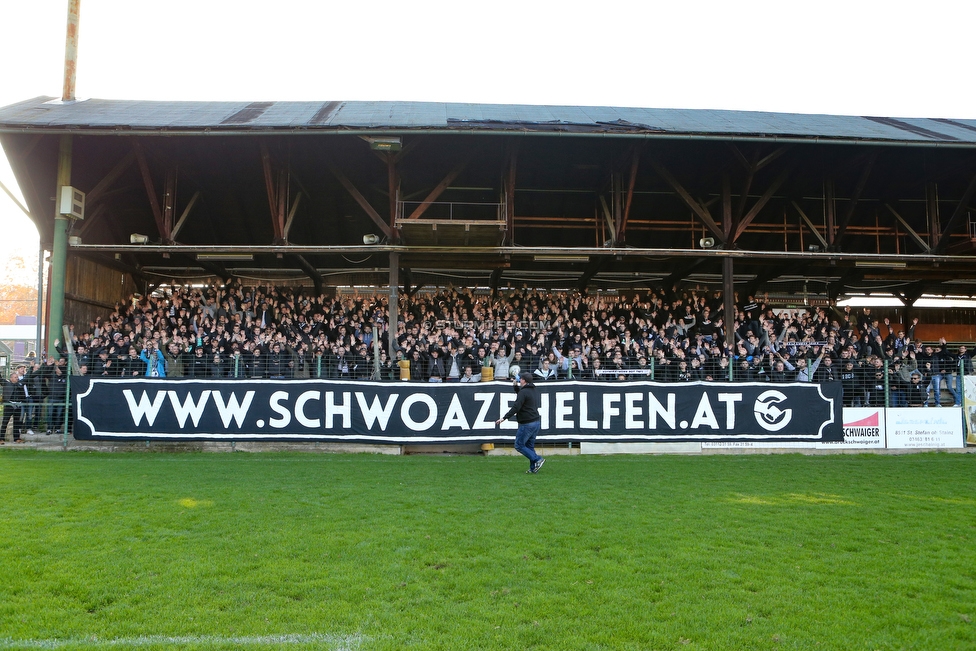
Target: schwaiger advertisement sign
x=401, y=412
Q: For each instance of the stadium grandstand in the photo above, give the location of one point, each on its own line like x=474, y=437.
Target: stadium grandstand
x=280, y=240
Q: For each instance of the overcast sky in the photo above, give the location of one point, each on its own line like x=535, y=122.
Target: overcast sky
x=852, y=57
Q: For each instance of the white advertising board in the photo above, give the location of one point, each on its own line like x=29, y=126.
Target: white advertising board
x=769, y=445
x=935, y=427
x=863, y=428
x=969, y=400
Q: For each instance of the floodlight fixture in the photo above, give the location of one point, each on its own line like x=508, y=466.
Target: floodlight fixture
x=561, y=258
x=384, y=143
x=226, y=257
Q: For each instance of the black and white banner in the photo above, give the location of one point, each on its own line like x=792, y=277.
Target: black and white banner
x=400, y=412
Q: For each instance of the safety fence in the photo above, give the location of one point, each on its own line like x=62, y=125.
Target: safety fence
x=874, y=387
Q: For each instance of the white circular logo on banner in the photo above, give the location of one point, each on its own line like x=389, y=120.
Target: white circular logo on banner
x=768, y=414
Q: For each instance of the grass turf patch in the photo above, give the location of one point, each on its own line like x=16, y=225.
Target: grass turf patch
x=373, y=552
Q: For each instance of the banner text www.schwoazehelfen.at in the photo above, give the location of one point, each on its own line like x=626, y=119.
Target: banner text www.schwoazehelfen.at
x=324, y=410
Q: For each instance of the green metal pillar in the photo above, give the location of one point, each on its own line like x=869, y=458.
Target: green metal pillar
x=59, y=251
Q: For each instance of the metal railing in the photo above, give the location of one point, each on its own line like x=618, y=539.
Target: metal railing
x=453, y=210
x=887, y=385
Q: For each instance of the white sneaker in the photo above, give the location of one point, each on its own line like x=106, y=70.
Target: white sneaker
x=30, y=432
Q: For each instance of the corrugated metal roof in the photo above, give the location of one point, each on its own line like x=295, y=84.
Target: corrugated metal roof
x=48, y=114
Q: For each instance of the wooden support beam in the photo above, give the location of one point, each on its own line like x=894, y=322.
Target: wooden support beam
x=852, y=275
x=849, y=213
x=830, y=210
x=216, y=269
x=608, y=215
x=90, y=219
x=763, y=277
x=291, y=216
x=696, y=207
x=169, y=199
x=185, y=214
x=726, y=206
x=744, y=196
x=511, y=164
x=593, y=267
x=617, y=204
x=150, y=187
x=439, y=188
x=113, y=175
x=957, y=214
x=361, y=200
x=810, y=225
x=766, y=160
x=270, y=187
x=282, y=196
x=747, y=165
x=407, y=282
x=311, y=272
x=393, y=187
x=912, y=293
x=634, y=163
x=932, y=212
x=908, y=228
x=761, y=202
x=494, y=280
x=276, y=187
x=681, y=270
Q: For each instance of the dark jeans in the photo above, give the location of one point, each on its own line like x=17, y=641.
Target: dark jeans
x=10, y=412
x=55, y=413
x=525, y=440
x=31, y=413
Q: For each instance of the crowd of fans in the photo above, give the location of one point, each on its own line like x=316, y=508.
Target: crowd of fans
x=451, y=334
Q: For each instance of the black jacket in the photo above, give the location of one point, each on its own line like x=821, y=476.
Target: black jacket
x=526, y=407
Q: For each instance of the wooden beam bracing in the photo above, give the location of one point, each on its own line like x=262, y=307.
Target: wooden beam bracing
x=855, y=198
x=169, y=201
x=608, y=216
x=291, y=215
x=511, y=166
x=761, y=202
x=311, y=272
x=147, y=180
x=634, y=163
x=810, y=224
x=696, y=207
x=957, y=214
x=908, y=229
x=361, y=200
x=439, y=188
x=109, y=179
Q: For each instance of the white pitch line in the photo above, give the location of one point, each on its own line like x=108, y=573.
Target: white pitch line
x=335, y=642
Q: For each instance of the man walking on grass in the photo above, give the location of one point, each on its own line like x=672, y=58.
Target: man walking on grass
x=526, y=412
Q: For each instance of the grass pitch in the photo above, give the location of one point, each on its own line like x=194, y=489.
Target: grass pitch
x=262, y=551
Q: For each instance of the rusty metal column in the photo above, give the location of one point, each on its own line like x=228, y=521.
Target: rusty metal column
x=394, y=304
x=728, y=296
x=59, y=249
x=71, y=52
